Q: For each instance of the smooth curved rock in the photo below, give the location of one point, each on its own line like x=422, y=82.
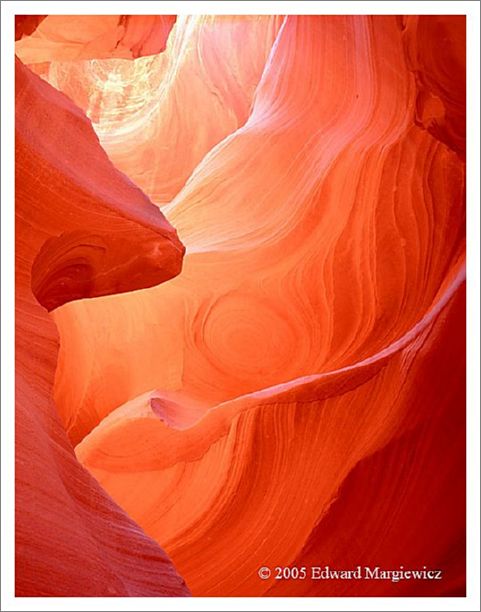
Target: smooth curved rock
x=350, y=203
x=158, y=116
x=254, y=482
x=82, y=229
x=296, y=395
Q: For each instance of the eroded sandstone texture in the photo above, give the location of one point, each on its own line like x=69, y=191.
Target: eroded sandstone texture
x=281, y=384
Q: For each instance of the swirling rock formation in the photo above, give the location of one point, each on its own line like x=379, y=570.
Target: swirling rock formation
x=146, y=112
x=82, y=230
x=260, y=472
x=233, y=234
x=296, y=395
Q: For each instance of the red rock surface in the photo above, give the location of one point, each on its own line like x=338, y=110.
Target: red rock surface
x=295, y=396
x=82, y=229
x=72, y=37
x=27, y=24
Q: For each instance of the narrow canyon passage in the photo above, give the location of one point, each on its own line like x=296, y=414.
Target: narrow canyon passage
x=240, y=292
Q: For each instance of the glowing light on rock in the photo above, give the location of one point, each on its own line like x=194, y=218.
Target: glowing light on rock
x=279, y=380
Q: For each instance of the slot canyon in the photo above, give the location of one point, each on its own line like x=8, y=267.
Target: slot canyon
x=240, y=303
